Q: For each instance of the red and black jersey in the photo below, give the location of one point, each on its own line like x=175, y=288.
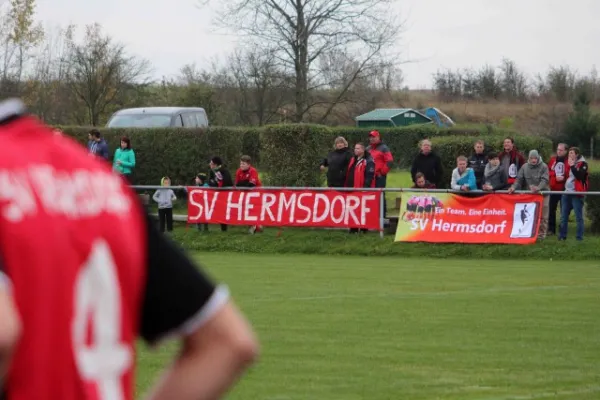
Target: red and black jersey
x=88, y=271
x=361, y=172
x=247, y=178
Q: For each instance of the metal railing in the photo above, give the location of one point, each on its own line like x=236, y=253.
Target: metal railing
x=386, y=190
x=384, y=219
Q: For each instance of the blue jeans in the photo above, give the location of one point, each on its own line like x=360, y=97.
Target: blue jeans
x=567, y=204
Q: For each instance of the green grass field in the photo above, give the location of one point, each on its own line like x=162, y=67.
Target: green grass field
x=392, y=328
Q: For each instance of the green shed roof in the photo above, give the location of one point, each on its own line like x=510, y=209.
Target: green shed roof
x=380, y=114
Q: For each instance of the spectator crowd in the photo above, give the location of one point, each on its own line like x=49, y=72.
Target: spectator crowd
x=368, y=167
x=483, y=172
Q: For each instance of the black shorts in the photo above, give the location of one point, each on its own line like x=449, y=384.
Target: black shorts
x=411, y=207
x=428, y=208
x=420, y=209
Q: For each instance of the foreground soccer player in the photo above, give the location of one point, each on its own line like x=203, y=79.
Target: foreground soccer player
x=83, y=273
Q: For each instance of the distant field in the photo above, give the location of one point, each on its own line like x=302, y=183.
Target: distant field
x=539, y=117
x=350, y=328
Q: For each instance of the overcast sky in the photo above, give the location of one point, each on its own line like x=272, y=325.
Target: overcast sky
x=439, y=33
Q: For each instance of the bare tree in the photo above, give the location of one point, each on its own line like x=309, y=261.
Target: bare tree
x=262, y=85
x=448, y=84
x=46, y=94
x=300, y=32
x=559, y=83
x=25, y=34
x=488, y=83
x=513, y=81
x=99, y=71
x=19, y=36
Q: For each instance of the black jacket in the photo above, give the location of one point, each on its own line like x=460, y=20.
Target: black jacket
x=220, y=178
x=478, y=162
x=337, y=163
x=429, y=165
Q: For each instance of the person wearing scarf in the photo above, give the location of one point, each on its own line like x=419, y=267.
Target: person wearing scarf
x=494, y=176
x=361, y=172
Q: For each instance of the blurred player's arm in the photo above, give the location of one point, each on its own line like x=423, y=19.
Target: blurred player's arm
x=9, y=325
x=217, y=342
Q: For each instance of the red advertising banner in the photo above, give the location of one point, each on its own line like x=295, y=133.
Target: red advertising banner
x=280, y=207
x=452, y=218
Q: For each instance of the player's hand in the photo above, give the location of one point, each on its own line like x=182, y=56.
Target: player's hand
x=534, y=189
x=511, y=190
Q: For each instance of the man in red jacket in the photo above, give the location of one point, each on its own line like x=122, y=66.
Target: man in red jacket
x=559, y=173
x=383, y=161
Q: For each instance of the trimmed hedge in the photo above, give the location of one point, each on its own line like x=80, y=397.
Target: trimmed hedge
x=450, y=147
x=592, y=203
x=291, y=154
x=179, y=153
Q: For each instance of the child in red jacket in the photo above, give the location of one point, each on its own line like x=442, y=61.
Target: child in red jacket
x=247, y=176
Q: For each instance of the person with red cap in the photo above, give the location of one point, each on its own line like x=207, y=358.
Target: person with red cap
x=384, y=161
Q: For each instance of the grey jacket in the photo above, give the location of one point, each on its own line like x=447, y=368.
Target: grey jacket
x=495, y=177
x=533, y=175
x=164, y=198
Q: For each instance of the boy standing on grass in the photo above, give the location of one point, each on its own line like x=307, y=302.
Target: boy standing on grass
x=165, y=198
x=247, y=176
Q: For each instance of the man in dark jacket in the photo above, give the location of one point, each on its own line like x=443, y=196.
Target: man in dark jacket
x=429, y=164
x=361, y=172
x=219, y=177
x=97, y=145
x=337, y=163
x=477, y=162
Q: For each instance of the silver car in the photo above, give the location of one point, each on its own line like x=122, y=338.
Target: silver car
x=159, y=117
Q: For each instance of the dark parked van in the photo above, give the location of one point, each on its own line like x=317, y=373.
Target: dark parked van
x=159, y=117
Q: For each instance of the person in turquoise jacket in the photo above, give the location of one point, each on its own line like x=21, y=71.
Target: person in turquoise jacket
x=463, y=178
x=124, y=160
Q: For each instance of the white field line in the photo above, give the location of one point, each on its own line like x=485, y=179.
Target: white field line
x=546, y=395
x=400, y=295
